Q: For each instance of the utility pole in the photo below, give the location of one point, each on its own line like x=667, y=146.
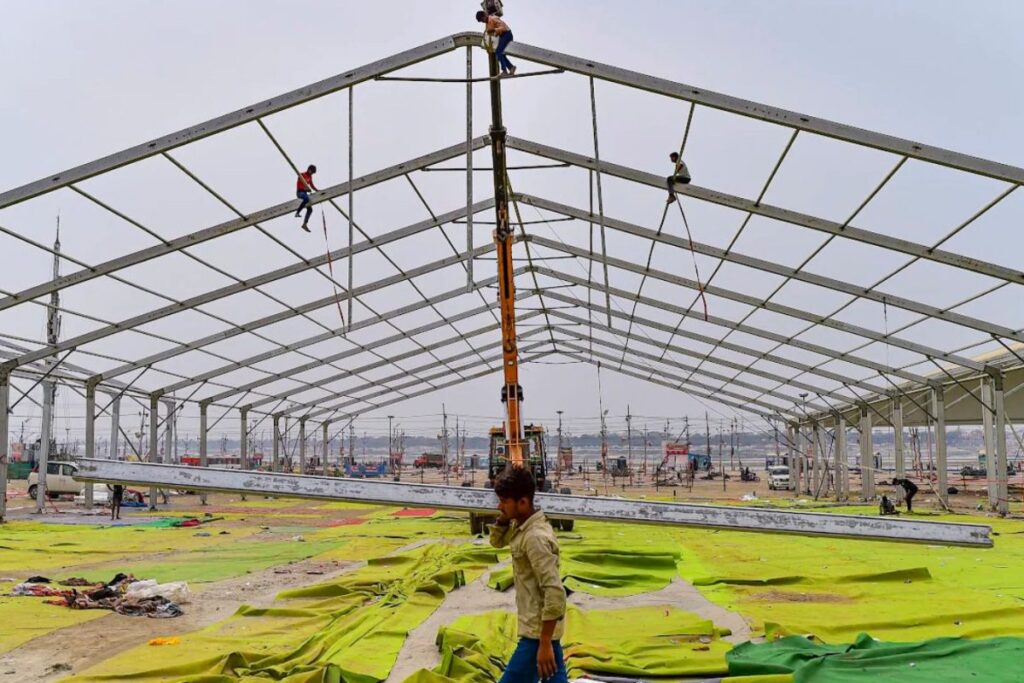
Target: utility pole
x=53, y=321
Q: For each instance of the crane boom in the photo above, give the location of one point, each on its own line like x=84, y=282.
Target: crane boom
x=511, y=391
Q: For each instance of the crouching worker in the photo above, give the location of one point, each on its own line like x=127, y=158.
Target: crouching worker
x=680, y=174
x=540, y=597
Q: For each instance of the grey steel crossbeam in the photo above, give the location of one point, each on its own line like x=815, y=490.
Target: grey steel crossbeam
x=643, y=322
x=278, y=317
x=559, y=506
x=228, y=227
x=776, y=269
x=762, y=112
x=391, y=360
x=417, y=381
x=383, y=341
x=776, y=213
x=710, y=392
x=584, y=358
x=781, y=309
x=755, y=331
x=256, y=281
x=228, y=121
x=651, y=358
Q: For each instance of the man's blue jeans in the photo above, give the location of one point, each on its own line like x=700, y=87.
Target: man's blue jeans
x=522, y=666
x=304, y=204
x=503, y=42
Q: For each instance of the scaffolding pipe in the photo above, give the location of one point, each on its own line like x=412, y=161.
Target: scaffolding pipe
x=302, y=445
x=988, y=435
x=897, y=424
x=154, y=440
x=90, y=437
x=203, y=445
x=867, y=460
x=1002, y=485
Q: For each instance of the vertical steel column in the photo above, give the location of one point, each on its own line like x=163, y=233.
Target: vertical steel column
x=600, y=202
x=791, y=450
x=988, y=433
x=302, y=445
x=204, y=453
x=351, y=202
x=90, y=436
x=169, y=432
x=1002, y=485
x=821, y=486
x=841, y=477
x=243, y=441
x=808, y=450
x=897, y=422
x=867, y=459
x=939, y=410
x=469, y=168
x=325, y=447
x=5, y=443
x=274, y=463
x=46, y=434
x=154, y=440
x=115, y=428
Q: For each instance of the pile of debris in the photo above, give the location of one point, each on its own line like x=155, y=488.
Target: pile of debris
x=123, y=594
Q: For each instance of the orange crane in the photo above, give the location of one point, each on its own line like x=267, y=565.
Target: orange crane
x=511, y=391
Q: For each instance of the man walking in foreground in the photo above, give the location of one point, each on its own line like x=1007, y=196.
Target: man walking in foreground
x=540, y=597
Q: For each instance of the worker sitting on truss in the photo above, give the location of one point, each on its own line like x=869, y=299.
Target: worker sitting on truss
x=540, y=596
x=497, y=27
x=302, y=188
x=680, y=174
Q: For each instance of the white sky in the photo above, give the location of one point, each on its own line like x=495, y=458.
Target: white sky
x=85, y=79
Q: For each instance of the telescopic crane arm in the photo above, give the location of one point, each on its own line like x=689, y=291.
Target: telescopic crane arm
x=511, y=391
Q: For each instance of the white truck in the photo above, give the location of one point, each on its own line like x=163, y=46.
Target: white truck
x=778, y=477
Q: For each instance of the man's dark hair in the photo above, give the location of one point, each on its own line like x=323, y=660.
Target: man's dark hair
x=481, y=16
x=311, y=169
x=515, y=483
x=673, y=156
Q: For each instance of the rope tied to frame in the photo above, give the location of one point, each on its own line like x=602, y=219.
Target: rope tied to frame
x=330, y=268
x=693, y=254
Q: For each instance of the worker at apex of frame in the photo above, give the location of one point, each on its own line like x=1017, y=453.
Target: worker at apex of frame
x=680, y=174
x=495, y=26
x=302, y=188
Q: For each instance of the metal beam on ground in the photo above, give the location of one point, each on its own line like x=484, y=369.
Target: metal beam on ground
x=789, y=311
x=228, y=121
x=762, y=112
x=222, y=292
x=775, y=213
x=774, y=268
x=558, y=506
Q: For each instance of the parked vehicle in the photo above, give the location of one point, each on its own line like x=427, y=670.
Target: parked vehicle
x=60, y=479
x=435, y=460
x=778, y=477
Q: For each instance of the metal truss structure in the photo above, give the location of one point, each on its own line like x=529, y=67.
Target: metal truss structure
x=813, y=374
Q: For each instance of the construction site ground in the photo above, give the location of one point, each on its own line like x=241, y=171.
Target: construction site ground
x=325, y=591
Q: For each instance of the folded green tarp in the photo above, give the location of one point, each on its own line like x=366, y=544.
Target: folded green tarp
x=656, y=641
x=941, y=660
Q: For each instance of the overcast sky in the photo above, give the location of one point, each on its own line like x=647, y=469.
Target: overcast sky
x=84, y=79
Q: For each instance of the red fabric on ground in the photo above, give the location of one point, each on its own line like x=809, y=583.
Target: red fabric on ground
x=415, y=512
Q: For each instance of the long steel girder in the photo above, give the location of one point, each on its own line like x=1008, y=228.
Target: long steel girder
x=777, y=269
x=857, y=330
x=559, y=506
x=214, y=295
x=776, y=213
x=745, y=328
x=650, y=324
